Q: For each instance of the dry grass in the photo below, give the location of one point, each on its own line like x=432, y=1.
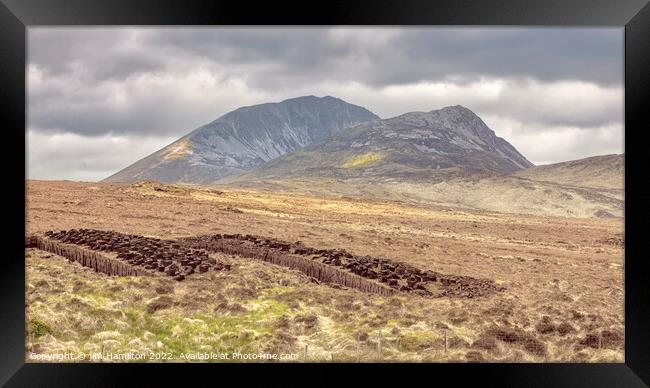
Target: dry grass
x=563, y=277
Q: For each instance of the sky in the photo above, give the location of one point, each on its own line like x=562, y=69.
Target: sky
x=100, y=99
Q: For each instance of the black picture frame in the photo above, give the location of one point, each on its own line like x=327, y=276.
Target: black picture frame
x=633, y=15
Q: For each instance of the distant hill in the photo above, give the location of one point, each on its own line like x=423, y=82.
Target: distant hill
x=603, y=172
x=591, y=187
x=417, y=145
x=245, y=138
x=510, y=193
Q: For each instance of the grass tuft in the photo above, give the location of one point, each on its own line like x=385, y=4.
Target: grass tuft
x=39, y=328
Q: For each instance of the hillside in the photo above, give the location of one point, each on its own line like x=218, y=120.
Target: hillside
x=431, y=145
x=245, y=138
x=602, y=172
x=591, y=187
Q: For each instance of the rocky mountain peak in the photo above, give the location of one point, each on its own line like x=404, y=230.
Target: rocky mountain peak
x=412, y=146
x=245, y=138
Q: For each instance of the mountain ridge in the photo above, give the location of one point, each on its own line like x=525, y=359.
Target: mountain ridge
x=245, y=138
x=414, y=145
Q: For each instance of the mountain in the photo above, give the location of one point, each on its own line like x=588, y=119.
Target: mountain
x=445, y=157
x=245, y=138
x=599, y=172
x=417, y=145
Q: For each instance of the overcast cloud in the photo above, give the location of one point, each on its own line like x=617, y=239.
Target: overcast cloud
x=101, y=98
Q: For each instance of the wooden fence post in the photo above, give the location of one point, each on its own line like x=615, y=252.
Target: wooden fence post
x=600, y=340
x=379, y=354
x=358, y=350
x=445, y=331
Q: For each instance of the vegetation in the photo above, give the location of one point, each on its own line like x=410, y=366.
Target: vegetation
x=363, y=160
x=39, y=328
x=543, y=314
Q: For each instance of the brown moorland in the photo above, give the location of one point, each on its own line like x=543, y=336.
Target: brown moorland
x=561, y=278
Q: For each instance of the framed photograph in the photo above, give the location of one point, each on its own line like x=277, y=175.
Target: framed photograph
x=448, y=188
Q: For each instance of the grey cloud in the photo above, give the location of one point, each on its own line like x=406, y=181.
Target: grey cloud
x=70, y=156
x=151, y=114
x=546, y=54
x=164, y=82
x=93, y=53
x=411, y=55
x=81, y=65
x=556, y=146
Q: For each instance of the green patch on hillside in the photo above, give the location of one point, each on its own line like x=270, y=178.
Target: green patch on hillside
x=363, y=160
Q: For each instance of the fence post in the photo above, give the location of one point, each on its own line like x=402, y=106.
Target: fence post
x=358, y=350
x=379, y=354
x=445, y=331
x=600, y=340
x=305, y=355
